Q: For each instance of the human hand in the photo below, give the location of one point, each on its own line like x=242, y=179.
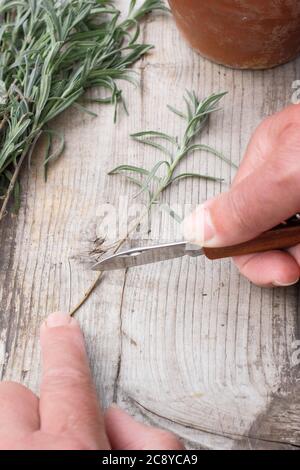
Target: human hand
x=264, y=193
x=68, y=416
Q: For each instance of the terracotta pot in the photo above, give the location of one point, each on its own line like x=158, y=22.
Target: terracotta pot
x=254, y=34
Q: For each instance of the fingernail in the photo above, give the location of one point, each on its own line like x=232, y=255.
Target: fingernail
x=198, y=227
x=282, y=284
x=59, y=319
x=114, y=406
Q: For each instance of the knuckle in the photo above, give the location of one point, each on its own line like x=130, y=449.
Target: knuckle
x=284, y=172
x=62, y=377
x=239, y=211
x=290, y=131
x=281, y=125
x=287, y=128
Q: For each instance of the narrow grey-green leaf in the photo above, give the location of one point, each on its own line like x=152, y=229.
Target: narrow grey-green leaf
x=155, y=145
x=134, y=169
x=177, y=112
x=155, y=134
x=195, y=175
x=52, y=156
x=211, y=150
x=3, y=93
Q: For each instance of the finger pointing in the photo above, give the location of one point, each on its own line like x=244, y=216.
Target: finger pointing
x=68, y=403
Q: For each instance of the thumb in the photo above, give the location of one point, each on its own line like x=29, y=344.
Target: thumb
x=125, y=433
x=259, y=202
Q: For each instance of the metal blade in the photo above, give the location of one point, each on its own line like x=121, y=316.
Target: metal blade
x=151, y=254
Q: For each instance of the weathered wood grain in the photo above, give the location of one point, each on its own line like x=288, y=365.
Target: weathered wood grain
x=188, y=345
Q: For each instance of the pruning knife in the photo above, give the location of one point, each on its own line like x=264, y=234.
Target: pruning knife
x=283, y=236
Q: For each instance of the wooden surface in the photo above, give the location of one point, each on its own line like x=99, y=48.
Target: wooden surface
x=187, y=345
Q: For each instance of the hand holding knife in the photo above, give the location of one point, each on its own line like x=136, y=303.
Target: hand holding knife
x=281, y=237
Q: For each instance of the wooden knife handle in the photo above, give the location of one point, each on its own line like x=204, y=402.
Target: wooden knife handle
x=281, y=237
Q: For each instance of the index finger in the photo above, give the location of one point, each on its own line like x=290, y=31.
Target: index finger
x=68, y=401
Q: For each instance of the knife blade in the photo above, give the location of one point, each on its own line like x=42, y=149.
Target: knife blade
x=147, y=255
